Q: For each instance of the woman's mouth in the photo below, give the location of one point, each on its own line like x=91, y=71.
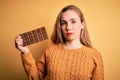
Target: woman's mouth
x=69, y=33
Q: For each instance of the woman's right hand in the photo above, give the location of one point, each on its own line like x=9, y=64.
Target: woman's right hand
x=19, y=45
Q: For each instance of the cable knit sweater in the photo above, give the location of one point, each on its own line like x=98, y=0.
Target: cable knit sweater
x=59, y=63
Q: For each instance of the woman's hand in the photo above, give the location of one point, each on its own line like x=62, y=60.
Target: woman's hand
x=19, y=45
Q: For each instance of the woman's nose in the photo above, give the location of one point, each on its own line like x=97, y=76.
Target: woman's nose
x=69, y=26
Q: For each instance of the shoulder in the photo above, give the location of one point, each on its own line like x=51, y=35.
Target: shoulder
x=92, y=52
x=52, y=49
x=51, y=46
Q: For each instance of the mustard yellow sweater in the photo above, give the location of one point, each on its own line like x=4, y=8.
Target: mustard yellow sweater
x=59, y=63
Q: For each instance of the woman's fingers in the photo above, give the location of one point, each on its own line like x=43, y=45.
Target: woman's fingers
x=19, y=44
x=18, y=41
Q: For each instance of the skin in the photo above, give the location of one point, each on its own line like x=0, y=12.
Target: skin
x=19, y=45
x=71, y=26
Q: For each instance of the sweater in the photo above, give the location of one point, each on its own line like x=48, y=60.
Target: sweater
x=59, y=63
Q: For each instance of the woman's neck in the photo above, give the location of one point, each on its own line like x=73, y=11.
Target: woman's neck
x=75, y=44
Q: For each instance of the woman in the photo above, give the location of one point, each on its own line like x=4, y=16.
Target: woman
x=70, y=56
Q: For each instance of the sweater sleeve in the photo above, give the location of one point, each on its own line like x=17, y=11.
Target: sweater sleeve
x=98, y=73
x=35, y=71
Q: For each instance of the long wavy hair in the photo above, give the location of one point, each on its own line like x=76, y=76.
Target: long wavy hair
x=57, y=36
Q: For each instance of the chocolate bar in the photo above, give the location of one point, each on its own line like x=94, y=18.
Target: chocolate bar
x=34, y=36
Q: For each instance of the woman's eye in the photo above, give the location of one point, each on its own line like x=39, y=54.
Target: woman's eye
x=73, y=22
x=63, y=23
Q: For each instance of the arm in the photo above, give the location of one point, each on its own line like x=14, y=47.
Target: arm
x=32, y=69
x=98, y=73
x=30, y=66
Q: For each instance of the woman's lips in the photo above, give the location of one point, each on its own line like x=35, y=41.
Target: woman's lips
x=69, y=33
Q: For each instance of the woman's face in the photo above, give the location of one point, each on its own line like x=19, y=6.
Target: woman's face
x=71, y=25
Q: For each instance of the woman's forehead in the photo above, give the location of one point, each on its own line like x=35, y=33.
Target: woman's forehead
x=69, y=14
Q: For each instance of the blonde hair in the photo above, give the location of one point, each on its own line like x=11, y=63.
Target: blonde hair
x=57, y=36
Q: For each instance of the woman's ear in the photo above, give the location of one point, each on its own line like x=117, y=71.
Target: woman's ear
x=82, y=25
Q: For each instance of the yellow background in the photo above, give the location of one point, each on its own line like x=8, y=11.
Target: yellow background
x=18, y=16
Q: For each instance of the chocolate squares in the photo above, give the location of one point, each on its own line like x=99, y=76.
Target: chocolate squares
x=34, y=36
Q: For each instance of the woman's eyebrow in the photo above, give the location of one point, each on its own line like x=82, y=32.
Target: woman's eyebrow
x=70, y=19
x=63, y=21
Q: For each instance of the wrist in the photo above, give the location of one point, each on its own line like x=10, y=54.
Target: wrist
x=25, y=52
